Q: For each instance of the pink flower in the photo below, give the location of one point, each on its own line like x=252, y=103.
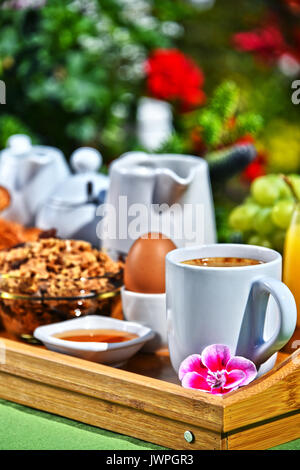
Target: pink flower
x=216, y=371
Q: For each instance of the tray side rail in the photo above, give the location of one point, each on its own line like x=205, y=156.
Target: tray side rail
x=276, y=394
x=112, y=385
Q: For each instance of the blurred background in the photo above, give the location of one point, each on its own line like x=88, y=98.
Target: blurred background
x=181, y=76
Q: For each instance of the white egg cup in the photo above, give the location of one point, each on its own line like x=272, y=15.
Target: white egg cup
x=149, y=310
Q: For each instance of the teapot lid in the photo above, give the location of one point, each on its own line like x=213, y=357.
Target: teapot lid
x=19, y=144
x=86, y=159
x=85, y=186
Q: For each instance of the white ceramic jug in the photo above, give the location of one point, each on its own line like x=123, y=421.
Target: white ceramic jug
x=174, y=191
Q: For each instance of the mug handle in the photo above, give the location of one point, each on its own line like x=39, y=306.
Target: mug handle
x=251, y=343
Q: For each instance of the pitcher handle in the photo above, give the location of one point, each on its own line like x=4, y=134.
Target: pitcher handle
x=251, y=343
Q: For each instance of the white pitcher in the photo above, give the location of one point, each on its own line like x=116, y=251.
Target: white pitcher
x=166, y=185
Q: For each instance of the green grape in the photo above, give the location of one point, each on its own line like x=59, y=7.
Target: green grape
x=265, y=191
x=259, y=241
x=278, y=240
x=266, y=213
x=249, y=200
x=241, y=218
x=263, y=222
x=254, y=240
x=284, y=190
x=266, y=243
x=282, y=213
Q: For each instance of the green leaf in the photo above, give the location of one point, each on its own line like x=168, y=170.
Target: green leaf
x=249, y=123
x=9, y=42
x=212, y=126
x=83, y=130
x=225, y=100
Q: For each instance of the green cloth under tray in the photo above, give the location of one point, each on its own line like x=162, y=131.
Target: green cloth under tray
x=24, y=428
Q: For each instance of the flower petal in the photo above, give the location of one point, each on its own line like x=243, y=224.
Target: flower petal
x=192, y=363
x=194, y=380
x=234, y=379
x=247, y=366
x=216, y=356
x=222, y=391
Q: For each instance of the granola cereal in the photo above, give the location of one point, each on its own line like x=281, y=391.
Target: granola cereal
x=59, y=279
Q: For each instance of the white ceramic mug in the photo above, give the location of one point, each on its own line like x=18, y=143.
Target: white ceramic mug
x=247, y=308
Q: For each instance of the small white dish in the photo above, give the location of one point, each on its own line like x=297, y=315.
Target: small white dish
x=114, y=354
x=147, y=310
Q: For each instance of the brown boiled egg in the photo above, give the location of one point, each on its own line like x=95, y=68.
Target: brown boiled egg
x=144, y=269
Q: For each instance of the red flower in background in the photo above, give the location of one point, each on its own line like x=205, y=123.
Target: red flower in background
x=295, y=52
x=258, y=166
x=255, y=169
x=294, y=5
x=267, y=43
x=172, y=76
x=197, y=141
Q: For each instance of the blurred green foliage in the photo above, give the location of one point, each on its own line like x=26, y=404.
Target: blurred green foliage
x=74, y=69
x=221, y=122
x=208, y=38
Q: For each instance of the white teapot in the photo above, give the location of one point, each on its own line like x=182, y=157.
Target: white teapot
x=31, y=174
x=71, y=210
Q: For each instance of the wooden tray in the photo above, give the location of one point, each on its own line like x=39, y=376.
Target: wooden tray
x=146, y=401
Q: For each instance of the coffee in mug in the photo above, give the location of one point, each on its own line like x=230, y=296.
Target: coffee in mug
x=223, y=262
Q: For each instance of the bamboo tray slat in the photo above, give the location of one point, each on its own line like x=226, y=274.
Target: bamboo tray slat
x=146, y=400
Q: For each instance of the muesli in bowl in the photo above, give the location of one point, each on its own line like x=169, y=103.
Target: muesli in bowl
x=53, y=280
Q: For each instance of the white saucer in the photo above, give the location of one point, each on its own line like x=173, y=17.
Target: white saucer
x=106, y=353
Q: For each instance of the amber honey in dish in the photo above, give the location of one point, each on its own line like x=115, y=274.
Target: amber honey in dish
x=223, y=262
x=96, y=336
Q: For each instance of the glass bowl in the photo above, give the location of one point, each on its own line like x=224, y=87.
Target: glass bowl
x=21, y=313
